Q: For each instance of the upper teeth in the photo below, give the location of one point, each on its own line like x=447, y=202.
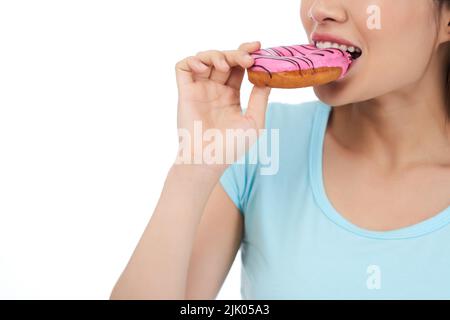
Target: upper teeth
x=343, y=47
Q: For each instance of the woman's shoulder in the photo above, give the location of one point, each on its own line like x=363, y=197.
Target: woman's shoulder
x=280, y=150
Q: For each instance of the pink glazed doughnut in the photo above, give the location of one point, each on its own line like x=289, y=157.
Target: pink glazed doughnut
x=297, y=66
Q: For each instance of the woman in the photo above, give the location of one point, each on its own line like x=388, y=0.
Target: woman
x=360, y=205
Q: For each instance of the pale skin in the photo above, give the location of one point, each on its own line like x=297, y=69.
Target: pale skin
x=386, y=153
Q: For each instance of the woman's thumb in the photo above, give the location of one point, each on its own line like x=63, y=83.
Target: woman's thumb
x=257, y=105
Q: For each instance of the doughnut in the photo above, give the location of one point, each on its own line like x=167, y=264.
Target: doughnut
x=297, y=66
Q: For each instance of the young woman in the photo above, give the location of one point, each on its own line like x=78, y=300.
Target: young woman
x=360, y=205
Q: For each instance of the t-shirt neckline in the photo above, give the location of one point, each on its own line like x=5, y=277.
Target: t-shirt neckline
x=319, y=126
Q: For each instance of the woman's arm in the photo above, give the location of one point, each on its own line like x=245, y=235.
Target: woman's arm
x=216, y=244
x=189, y=244
x=180, y=254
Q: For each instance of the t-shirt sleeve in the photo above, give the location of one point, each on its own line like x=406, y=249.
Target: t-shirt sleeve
x=233, y=182
x=238, y=179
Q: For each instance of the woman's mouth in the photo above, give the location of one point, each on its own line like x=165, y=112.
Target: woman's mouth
x=354, y=51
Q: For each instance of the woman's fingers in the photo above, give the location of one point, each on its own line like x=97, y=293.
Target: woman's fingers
x=224, y=67
x=237, y=74
x=257, y=105
x=238, y=61
x=213, y=59
x=221, y=75
x=190, y=69
x=183, y=72
x=224, y=63
x=250, y=46
x=201, y=70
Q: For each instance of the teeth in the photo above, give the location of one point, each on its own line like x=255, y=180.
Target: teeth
x=328, y=44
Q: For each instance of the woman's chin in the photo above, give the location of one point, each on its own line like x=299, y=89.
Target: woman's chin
x=332, y=95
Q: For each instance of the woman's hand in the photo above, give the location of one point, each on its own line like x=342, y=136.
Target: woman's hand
x=209, y=92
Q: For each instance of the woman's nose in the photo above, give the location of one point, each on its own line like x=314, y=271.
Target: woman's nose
x=327, y=10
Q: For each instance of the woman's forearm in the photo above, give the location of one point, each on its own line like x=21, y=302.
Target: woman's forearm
x=159, y=265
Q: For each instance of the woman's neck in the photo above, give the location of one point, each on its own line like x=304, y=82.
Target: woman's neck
x=399, y=129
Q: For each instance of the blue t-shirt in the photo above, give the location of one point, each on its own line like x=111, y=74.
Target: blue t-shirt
x=297, y=246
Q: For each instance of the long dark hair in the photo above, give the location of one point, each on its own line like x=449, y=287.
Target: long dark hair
x=441, y=4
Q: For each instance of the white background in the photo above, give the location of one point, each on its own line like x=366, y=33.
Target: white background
x=88, y=127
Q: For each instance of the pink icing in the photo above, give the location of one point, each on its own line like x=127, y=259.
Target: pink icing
x=299, y=57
